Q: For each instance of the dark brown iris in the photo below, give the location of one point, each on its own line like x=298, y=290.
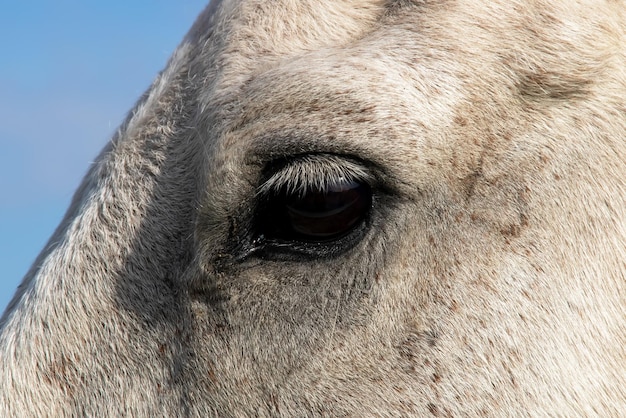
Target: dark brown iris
x=317, y=215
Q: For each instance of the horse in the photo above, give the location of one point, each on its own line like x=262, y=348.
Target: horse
x=347, y=208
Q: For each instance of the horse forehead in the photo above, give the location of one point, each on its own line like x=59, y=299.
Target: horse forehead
x=405, y=61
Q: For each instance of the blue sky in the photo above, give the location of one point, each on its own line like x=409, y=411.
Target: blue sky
x=69, y=72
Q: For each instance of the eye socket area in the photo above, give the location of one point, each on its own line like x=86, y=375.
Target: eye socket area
x=314, y=202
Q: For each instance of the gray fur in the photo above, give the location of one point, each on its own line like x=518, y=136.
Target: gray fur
x=490, y=279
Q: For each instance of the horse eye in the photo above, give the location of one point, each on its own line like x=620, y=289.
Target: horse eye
x=316, y=215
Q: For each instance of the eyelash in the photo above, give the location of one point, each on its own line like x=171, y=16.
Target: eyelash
x=309, y=171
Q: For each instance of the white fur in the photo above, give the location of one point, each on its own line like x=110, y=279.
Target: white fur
x=490, y=279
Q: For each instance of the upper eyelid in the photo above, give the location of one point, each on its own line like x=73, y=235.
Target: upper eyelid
x=314, y=171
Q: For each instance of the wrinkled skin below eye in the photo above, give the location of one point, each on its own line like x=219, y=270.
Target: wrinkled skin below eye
x=316, y=215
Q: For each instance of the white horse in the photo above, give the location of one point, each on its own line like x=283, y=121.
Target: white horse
x=347, y=207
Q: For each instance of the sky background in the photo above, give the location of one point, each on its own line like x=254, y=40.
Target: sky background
x=69, y=72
